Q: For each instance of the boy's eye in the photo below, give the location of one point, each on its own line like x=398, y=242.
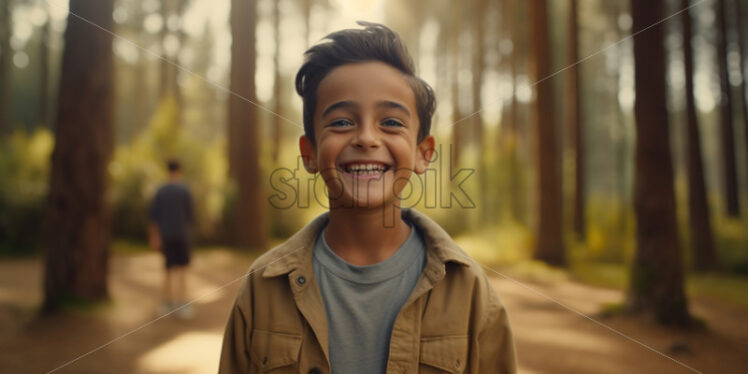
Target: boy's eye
x=392, y=123
x=341, y=123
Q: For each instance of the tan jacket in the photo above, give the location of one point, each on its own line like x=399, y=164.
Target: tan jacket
x=453, y=321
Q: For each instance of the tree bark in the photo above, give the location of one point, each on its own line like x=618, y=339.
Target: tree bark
x=656, y=286
x=244, y=128
x=741, y=49
x=277, y=99
x=165, y=68
x=622, y=155
x=442, y=65
x=44, y=71
x=701, y=231
x=307, y=13
x=5, y=67
x=454, y=53
x=77, y=221
x=728, y=143
x=574, y=120
x=176, y=70
x=169, y=63
x=509, y=133
x=478, y=61
x=549, y=246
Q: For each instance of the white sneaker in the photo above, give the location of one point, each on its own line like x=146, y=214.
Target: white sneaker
x=185, y=312
x=164, y=308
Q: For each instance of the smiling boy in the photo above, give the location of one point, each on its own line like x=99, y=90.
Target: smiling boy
x=355, y=291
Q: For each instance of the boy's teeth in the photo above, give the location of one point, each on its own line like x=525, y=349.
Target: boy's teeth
x=365, y=168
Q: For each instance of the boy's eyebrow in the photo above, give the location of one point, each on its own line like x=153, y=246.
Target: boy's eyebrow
x=394, y=105
x=339, y=105
x=348, y=104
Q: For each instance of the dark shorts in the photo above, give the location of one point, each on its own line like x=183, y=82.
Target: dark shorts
x=176, y=252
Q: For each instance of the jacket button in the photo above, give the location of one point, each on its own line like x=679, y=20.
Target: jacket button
x=457, y=364
x=315, y=371
x=301, y=280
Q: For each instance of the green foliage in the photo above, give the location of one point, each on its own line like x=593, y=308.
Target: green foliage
x=70, y=302
x=602, y=274
x=610, y=232
x=608, y=310
x=129, y=247
x=731, y=243
x=507, y=243
x=138, y=169
x=720, y=286
x=24, y=180
x=538, y=271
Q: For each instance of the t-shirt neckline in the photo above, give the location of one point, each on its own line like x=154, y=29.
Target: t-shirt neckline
x=373, y=273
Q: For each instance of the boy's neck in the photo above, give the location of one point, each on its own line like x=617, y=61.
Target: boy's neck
x=365, y=236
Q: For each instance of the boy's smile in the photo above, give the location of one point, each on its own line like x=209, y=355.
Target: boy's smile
x=366, y=129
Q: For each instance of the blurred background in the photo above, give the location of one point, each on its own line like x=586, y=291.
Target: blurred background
x=606, y=145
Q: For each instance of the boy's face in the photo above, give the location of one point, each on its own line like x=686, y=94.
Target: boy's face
x=366, y=114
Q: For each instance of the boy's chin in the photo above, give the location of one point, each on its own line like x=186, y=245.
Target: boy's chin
x=372, y=202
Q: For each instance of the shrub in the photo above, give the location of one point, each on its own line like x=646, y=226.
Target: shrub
x=24, y=181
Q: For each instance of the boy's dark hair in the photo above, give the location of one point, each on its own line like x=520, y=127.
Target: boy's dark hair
x=375, y=42
x=173, y=165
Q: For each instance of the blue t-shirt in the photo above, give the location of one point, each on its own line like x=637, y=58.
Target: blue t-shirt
x=171, y=209
x=362, y=302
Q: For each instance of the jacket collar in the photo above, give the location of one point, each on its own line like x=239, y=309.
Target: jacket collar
x=297, y=251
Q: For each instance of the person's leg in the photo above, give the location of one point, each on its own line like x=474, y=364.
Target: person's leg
x=180, y=284
x=167, y=292
x=186, y=310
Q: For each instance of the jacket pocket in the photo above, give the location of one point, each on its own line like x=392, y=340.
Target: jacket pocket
x=275, y=352
x=444, y=354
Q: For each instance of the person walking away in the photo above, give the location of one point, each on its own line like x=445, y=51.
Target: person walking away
x=171, y=217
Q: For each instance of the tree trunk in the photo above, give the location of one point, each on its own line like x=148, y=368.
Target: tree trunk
x=728, y=143
x=442, y=66
x=307, y=13
x=478, y=56
x=164, y=76
x=549, y=246
x=509, y=134
x=140, y=95
x=170, y=60
x=657, y=275
x=701, y=231
x=77, y=222
x=622, y=155
x=44, y=71
x=574, y=120
x=181, y=7
x=277, y=99
x=244, y=146
x=5, y=67
x=455, y=55
x=743, y=56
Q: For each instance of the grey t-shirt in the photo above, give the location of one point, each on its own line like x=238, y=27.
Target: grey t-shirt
x=362, y=302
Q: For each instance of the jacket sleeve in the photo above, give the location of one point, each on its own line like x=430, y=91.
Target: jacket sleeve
x=236, y=337
x=496, y=345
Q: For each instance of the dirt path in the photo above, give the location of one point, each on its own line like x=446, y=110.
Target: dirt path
x=549, y=337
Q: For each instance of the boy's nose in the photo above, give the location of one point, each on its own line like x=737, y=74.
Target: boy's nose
x=366, y=137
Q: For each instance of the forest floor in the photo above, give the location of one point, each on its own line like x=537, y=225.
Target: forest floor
x=127, y=336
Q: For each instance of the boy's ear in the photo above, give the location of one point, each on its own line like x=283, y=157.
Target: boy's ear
x=424, y=152
x=307, y=154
